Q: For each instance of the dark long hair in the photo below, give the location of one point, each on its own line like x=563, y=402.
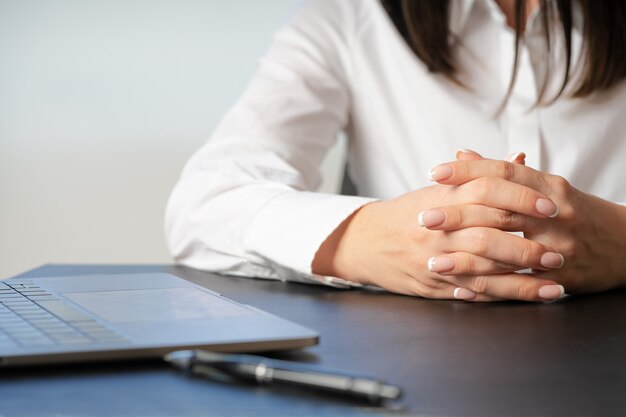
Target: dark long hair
x=602, y=64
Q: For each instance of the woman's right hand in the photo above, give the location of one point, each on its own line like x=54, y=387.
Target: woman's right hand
x=384, y=244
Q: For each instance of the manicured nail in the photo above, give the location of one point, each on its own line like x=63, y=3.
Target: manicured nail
x=552, y=260
x=440, y=264
x=547, y=208
x=463, y=294
x=551, y=292
x=465, y=151
x=440, y=173
x=431, y=218
x=514, y=156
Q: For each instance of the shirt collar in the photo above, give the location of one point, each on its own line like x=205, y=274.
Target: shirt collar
x=459, y=13
x=461, y=10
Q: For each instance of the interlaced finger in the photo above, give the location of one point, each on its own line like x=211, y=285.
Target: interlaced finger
x=463, y=263
x=505, y=195
x=513, y=286
x=475, y=215
x=503, y=247
x=463, y=171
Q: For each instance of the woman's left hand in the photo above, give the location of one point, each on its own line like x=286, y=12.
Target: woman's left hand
x=588, y=231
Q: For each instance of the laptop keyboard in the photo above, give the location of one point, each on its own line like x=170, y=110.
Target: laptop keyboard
x=32, y=317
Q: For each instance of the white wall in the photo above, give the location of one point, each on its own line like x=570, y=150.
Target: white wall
x=101, y=103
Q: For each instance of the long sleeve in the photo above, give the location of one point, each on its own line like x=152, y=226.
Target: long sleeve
x=245, y=203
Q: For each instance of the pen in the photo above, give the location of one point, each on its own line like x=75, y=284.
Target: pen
x=270, y=371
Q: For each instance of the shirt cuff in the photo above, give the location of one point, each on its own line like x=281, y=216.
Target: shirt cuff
x=289, y=230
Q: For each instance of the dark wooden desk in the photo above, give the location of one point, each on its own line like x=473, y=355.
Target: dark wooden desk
x=453, y=358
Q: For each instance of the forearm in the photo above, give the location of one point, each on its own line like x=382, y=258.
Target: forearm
x=231, y=219
x=328, y=259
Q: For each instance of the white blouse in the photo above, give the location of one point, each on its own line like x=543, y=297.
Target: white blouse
x=246, y=201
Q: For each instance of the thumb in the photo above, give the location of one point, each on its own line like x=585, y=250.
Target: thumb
x=517, y=158
x=468, y=155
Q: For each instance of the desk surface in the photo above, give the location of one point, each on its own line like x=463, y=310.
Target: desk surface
x=453, y=358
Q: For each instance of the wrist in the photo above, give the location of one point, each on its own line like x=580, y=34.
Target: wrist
x=610, y=239
x=337, y=256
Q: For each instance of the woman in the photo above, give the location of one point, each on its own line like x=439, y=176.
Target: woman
x=410, y=82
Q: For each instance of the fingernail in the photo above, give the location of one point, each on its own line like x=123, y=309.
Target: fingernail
x=465, y=151
x=547, y=208
x=440, y=173
x=552, y=260
x=430, y=218
x=551, y=292
x=440, y=264
x=512, y=157
x=463, y=294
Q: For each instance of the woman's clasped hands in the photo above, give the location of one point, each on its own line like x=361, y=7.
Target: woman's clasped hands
x=453, y=240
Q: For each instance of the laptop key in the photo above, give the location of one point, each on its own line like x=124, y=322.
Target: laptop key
x=90, y=325
x=29, y=307
x=63, y=310
x=16, y=302
x=11, y=327
x=16, y=286
x=33, y=318
x=31, y=315
x=59, y=331
x=10, y=320
x=70, y=339
x=16, y=325
x=10, y=296
x=42, y=320
x=33, y=291
x=52, y=322
x=21, y=330
x=24, y=331
x=99, y=333
x=36, y=298
x=40, y=342
x=33, y=341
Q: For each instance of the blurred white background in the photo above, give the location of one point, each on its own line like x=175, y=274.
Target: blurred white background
x=101, y=104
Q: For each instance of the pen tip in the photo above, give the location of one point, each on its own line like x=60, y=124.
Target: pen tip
x=180, y=358
x=390, y=392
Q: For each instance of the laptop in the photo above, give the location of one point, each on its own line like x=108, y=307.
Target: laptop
x=113, y=317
